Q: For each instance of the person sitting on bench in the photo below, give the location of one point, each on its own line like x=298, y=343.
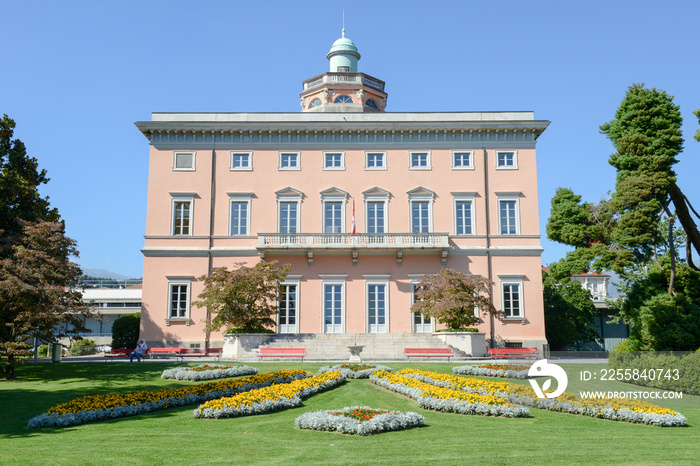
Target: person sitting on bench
x=141, y=350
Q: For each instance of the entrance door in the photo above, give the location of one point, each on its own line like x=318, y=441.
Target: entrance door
x=422, y=324
x=333, y=308
x=288, y=309
x=376, y=308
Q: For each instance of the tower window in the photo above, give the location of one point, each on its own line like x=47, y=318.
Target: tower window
x=315, y=103
x=343, y=69
x=371, y=103
x=343, y=99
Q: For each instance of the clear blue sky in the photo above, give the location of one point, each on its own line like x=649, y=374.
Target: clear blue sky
x=76, y=75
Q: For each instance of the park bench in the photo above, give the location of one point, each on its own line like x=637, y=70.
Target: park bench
x=164, y=352
x=282, y=353
x=199, y=353
x=118, y=353
x=513, y=352
x=429, y=353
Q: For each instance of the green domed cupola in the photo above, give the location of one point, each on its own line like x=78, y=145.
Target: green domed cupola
x=343, y=56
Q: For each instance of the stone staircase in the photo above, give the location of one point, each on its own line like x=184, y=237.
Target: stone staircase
x=377, y=346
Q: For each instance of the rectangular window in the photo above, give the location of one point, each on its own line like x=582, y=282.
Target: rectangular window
x=288, y=305
x=183, y=161
x=333, y=217
x=179, y=304
x=289, y=161
x=375, y=161
x=462, y=160
x=506, y=160
x=182, y=217
x=241, y=161
x=377, y=306
x=508, y=217
x=288, y=217
x=420, y=221
x=512, y=299
x=420, y=160
x=333, y=161
x=376, y=217
x=333, y=307
x=463, y=217
x=239, y=218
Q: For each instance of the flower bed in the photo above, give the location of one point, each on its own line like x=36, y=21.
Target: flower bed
x=267, y=399
x=207, y=372
x=460, y=401
x=355, y=371
x=616, y=409
x=99, y=407
x=359, y=420
x=508, y=371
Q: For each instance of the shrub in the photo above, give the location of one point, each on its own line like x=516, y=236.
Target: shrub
x=43, y=350
x=687, y=365
x=125, y=331
x=83, y=347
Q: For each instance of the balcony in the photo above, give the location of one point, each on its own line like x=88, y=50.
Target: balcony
x=344, y=78
x=396, y=243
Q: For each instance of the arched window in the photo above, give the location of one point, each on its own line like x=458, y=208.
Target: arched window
x=315, y=103
x=343, y=99
x=371, y=103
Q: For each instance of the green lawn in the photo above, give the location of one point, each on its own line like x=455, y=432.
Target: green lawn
x=175, y=437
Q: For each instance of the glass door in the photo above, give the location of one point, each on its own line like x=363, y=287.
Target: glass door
x=376, y=308
x=287, y=317
x=421, y=323
x=333, y=308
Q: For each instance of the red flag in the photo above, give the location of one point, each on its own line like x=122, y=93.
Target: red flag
x=353, y=217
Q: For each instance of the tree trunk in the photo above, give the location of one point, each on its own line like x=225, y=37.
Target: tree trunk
x=684, y=217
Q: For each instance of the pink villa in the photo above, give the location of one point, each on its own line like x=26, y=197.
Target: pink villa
x=359, y=201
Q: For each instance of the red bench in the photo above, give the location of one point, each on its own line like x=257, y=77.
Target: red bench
x=429, y=353
x=282, y=353
x=199, y=353
x=118, y=353
x=513, y=352
x=164, y=352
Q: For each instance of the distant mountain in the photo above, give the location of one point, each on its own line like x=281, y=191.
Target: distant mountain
x=102, y=273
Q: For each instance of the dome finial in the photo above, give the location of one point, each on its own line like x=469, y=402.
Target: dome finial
x=343, y=33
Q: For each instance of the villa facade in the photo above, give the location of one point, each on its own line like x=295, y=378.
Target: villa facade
x=360, y=202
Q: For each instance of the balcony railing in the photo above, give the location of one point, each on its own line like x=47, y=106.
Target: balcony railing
x=348, y=241
x=344, y=78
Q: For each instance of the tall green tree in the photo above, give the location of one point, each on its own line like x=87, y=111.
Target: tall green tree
x=635, y=228
x=243, y=298
x=20, y=179
x=38, y=292
x=569, y=312
x=454, y=298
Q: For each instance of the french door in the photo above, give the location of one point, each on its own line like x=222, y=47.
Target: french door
x=376, y=308
x=333, y=308
x=288, y=309
x=421, y=323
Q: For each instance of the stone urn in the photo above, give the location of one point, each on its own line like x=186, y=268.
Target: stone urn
x=355, y=351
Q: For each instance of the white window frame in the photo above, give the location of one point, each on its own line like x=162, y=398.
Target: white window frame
x=333, y=199
x=414, y=281
x=507, y=167
x=463, y=167
x=239, y=198
x=185, y=169
x=428, y=197
x=248, y=167
x=464, y=197
x=384, y=161
x=292, y=280
x=291, y=198
x=510, y=281
x=333, y=279
x=181, y=198
x=342, y=160
x=287, y=152
x=508, y=197
x=380, y=279
x=428, y=165
x=178, y=281
x=378, y=197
